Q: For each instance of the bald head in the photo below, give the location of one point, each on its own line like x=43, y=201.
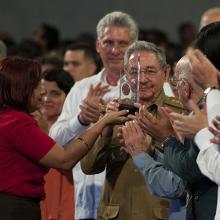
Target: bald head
x=183, y=70
x=210, y=16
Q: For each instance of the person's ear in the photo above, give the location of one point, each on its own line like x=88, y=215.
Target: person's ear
x=98, y=45
x=92, y=68
x=187, y=89
x=166, y=73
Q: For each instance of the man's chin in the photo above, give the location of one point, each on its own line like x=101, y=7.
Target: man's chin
x=146, y=97
x=116, y=68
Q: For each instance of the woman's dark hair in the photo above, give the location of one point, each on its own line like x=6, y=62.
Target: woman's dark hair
x=18, y=79
x=63, y=79
x=208, y=41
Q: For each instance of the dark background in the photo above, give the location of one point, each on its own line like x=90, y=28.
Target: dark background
x=71, y=17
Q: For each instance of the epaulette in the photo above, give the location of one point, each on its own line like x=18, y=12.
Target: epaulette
x=174, y=104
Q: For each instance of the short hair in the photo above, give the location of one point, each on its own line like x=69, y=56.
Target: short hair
x=52, y=60
x=208, y=42
x=89, y=51
x=63, y=79
x=145, y=46
x=51, y=35
x=18, y=79
x=119, y=19
x=26, y=49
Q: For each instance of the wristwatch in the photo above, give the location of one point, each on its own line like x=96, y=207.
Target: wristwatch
x=209, y=89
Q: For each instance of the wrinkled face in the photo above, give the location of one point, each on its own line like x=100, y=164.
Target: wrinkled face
x=52, y=100
x=78, y=65
x=181, y=74
x=112, y=46
x=152, y=76
x=36, y=98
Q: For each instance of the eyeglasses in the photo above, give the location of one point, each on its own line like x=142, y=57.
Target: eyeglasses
x=147, y=72
x=177, y=82
x=174, y=82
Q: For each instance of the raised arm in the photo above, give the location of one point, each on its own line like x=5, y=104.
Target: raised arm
x=66, y=158
x=81, y=108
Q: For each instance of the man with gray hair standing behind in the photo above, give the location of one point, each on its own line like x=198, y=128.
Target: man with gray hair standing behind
x=115, y=32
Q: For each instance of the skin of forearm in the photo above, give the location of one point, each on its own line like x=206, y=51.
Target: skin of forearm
x=76, y=149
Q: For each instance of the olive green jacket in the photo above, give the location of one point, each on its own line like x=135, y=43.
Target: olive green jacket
x=125, y=195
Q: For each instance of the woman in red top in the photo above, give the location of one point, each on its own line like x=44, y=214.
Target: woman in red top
x=25, y=150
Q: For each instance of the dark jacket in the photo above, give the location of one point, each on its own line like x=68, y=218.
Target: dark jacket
x=181, y=159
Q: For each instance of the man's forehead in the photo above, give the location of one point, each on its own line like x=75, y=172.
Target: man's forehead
x=116, y=32
x=141, y=56
x=183, y=74
x=183, y=67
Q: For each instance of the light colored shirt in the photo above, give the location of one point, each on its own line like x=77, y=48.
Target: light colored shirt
x=163, y=182
x=208, y=158
x=87, y=187
x=168, y=90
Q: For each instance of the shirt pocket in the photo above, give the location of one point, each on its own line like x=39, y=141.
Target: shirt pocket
x=108, y=211
x=161, y=213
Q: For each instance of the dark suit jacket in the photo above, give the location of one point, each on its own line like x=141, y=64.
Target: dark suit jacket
x=181, y=159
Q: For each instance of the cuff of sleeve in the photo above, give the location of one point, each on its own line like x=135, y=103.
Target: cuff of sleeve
x=74, y=123
x=142, y=160
x=202, y=138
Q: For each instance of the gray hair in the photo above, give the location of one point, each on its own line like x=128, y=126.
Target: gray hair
x=119, y=19
x=145, y=46
x=184, y=69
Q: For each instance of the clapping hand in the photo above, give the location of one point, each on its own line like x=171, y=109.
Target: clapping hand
x=134, y=140
x=204, y=72
x=186, y=126
x=215, y=129
x=90, y=107
x=158, y=128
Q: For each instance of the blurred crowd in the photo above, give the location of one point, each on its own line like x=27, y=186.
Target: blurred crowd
x=158, y=161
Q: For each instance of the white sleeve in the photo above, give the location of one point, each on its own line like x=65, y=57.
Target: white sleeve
x=208, y=158
x=67, y=125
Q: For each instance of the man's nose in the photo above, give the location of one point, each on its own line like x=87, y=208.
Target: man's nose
x=116, y=49
x=46, y=98
x=143, y=77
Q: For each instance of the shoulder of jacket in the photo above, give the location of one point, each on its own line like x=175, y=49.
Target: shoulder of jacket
x=173, y=102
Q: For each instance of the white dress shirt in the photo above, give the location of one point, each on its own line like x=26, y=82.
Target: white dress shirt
x=208, y=158
x=67, y=127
